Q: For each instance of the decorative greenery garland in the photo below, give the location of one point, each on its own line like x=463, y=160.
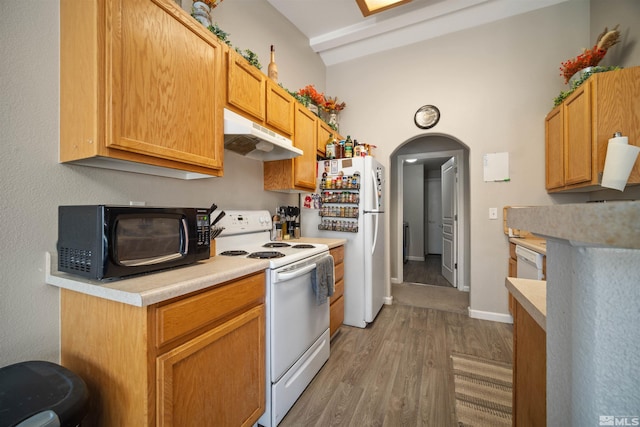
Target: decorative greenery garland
x=574, y=85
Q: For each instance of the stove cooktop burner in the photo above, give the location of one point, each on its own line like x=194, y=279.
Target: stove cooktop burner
x=303, y=246
x=276, y=245
x=265, y=254
x=234, y=253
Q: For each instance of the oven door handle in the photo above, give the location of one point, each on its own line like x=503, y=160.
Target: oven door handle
x=288, y=275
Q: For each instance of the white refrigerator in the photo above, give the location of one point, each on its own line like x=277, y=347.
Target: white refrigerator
x=349, y=204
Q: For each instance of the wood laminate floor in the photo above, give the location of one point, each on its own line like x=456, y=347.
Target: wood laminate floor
x=397, y=371
x=427, y=272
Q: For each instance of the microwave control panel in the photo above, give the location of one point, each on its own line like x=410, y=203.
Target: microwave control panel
x=202, y=222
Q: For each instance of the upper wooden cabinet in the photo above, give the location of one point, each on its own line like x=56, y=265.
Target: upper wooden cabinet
x=251, y=94
x=324, y=132
x=577, y=131
x=141, y=82
x=246, y=87
x=280, y=109
x=297, y=174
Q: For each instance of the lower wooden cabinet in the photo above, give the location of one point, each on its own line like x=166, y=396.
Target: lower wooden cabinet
x=336, y=306
x=194, y=360
x=529, y=370
x=213, y=377
x=513, y=271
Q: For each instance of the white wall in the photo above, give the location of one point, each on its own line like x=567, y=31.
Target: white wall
x=493, y=85
x=33, y=184
x=413, y=209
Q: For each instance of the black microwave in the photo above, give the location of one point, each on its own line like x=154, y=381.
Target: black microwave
x=105, y=242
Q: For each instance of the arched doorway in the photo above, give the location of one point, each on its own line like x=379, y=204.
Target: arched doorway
x=430, y=152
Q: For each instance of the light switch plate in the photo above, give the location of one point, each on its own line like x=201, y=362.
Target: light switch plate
x=493, y=213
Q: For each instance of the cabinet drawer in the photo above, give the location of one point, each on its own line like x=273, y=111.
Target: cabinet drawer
x=337, y=254
x=189, y=314
x=336, y=315
x=339, y=291
x=339, y=272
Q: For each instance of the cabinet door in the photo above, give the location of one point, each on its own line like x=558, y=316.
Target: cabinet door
x=280, y=107
x=163, y=78
x=245, y=87
x=529, y=370
x=577, y=136
x=324, y=133
x=554, y=148
x=616, y=108
x=304, y=176
x=218, y=378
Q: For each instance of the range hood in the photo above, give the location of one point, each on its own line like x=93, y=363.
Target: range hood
x=252, y=140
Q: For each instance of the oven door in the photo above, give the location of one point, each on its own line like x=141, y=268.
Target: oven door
x=296, y=321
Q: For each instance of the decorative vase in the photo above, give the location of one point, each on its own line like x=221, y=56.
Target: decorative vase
x=578, y=75
x=202, y=12
x=314, y=109
x=333, y=120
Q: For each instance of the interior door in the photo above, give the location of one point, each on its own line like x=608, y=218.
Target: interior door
x=449, y=221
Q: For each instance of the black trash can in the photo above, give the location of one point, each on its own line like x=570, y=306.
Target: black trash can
x=38, y=393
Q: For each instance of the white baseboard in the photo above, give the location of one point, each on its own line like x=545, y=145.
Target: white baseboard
x=388, y=300
x=395, y=280
x=489, y=315
x=415, y=258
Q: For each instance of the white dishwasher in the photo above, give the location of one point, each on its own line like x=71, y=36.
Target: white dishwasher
x=530, y=264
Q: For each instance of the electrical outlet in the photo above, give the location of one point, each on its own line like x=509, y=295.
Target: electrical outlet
x=493, y=213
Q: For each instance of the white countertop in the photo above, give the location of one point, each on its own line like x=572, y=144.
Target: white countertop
x=160, y=286
x=614, y=224
x=532, y=296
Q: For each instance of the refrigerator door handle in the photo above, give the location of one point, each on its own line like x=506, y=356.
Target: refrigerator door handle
x=374, y=190
x=375, y=236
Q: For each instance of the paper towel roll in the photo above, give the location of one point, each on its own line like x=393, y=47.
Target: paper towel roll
x=618, y=163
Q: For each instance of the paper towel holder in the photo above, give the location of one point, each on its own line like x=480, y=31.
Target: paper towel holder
x=619, y=162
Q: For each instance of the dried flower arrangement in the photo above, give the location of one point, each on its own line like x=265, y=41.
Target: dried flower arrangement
x=310, y=94
x=331, y=104
x=590, y=57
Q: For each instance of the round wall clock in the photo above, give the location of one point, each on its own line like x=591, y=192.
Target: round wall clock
x=427, y=116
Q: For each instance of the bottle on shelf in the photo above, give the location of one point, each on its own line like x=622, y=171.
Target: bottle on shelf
x=330, y=148
x=348, y=147
x=340, y=150
x=272, y=70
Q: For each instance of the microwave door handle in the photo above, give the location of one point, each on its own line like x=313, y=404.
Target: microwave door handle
x=185, y=232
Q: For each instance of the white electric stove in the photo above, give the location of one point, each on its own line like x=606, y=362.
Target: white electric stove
x=297, y=326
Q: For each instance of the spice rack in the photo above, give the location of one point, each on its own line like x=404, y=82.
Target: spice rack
x=340, y=197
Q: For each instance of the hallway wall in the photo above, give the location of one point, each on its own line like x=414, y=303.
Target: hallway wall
x=413, y=208
x=493, y=96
